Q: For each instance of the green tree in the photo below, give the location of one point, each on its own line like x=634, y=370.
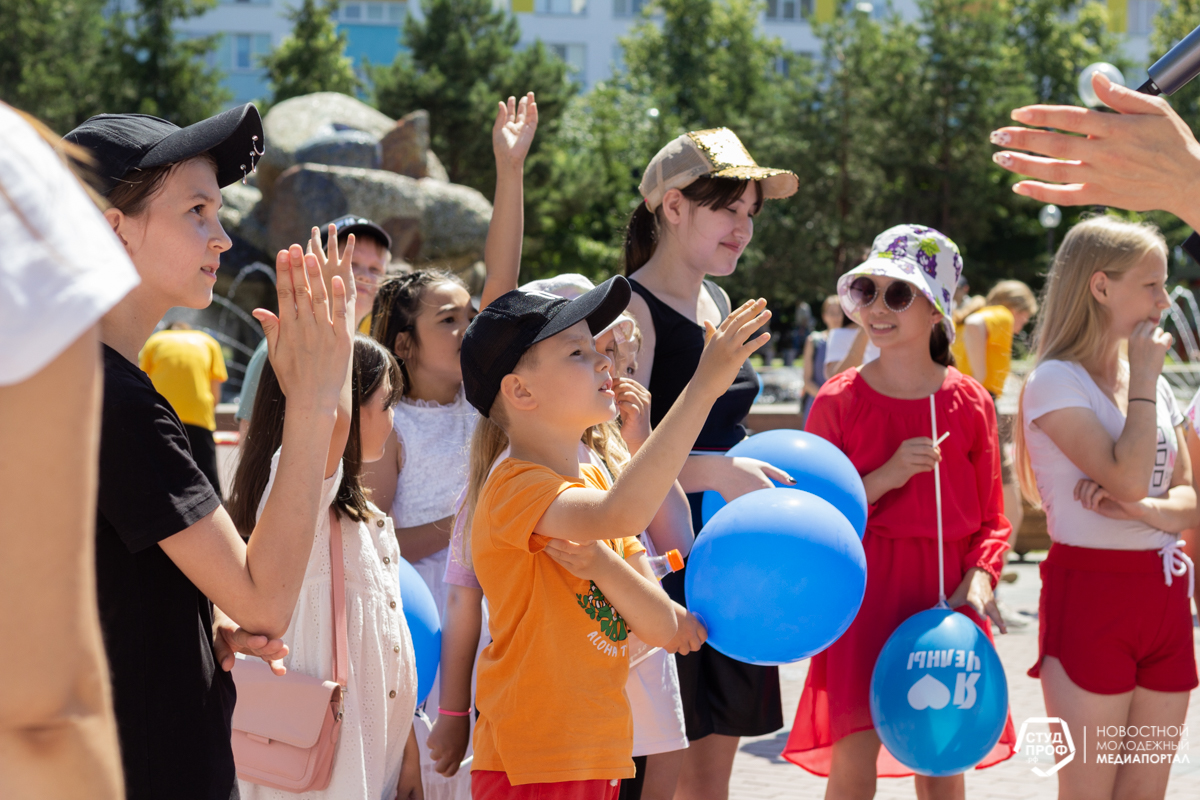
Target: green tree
x=49, y=50
x=312, y=58
x=150, y=68
x=462, y=59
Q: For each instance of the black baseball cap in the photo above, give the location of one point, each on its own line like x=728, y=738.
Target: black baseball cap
x=359, y=226
x=514, y=322
x=122, y=143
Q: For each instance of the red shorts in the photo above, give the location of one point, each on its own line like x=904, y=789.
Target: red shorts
x=1111, y=619
x=494, y=785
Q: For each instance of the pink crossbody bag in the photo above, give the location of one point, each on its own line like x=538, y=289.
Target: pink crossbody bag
x=285, y=729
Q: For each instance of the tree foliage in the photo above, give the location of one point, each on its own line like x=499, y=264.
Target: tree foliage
x=150, y=68
x=462, y=58
x=313, y=57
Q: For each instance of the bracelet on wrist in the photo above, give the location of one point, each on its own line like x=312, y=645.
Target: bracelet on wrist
x=444, y=713
x=1149, y=400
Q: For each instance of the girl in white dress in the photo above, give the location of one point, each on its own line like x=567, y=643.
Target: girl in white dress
x=421, y=317
x=377, y=757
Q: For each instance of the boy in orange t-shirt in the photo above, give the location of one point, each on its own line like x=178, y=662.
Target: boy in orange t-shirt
x=553, y=545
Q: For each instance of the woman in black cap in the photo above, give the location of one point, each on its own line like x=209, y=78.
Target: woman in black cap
x=166, y=550
x=702, y=191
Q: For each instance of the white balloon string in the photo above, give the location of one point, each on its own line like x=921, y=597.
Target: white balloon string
x=937, y=491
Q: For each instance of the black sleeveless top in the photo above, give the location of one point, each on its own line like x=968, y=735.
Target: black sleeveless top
x=678, y=344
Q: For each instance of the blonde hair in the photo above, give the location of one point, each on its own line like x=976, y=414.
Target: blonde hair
x=969, y=306
x=1015, y=296
x=1073, y=325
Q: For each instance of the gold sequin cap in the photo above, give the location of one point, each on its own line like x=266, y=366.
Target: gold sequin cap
x=718, y=153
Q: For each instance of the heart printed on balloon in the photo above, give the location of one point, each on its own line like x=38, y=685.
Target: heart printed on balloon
x=928, y=692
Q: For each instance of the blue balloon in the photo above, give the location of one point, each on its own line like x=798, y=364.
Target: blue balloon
x=776, y=576
x=424, y=625
x=939, y=698
x=816, y=464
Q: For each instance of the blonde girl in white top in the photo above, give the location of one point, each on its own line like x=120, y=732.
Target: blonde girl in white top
x=377, y=756
x=1098, y=445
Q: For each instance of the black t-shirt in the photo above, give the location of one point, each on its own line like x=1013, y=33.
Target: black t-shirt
x=173, y=702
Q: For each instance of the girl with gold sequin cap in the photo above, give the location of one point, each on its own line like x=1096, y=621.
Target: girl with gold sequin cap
x=702, y=192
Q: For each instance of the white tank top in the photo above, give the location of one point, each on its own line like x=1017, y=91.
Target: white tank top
x=435, y=442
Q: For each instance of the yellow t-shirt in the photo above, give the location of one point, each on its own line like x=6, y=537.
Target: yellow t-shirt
x=998, y=321
x=182, y=366
x=551, y=685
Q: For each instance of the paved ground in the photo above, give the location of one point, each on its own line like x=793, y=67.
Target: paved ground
x=759, y=773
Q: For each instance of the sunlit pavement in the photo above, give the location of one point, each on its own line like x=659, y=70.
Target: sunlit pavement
x=759, y=772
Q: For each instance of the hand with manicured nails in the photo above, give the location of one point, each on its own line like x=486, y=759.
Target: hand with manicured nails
x=512, y=133
x=1141, y=159
x=310, y=341
x=728, y=345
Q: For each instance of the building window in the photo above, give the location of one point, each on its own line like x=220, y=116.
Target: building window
x=628, y=8
x=371, y=13
x=1141, y=16
x=561, y=7
x=788, y=10
x=575, y=55
x=247, y=49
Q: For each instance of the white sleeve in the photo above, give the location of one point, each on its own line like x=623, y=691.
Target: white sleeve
x=1167, y=397
x=1053, y=385
x=63, y=267
x=838, y=345
x=329, y=487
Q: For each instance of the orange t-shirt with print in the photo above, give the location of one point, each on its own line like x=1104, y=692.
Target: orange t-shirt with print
x=551, y=685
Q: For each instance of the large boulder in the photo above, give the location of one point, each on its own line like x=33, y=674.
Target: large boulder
x=405, y=149
x=241, y=215
x=429, y=220
x=341, y=149
x=292, y=124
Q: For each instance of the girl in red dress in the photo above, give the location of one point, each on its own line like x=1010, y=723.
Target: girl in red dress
x=879, y=416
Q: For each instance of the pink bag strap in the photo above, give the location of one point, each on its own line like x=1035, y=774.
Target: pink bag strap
x=341, y=650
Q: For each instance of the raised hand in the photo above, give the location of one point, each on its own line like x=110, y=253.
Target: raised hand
x=1143, y=158
x=512, y=134
x=310, y=341
x=728, y=345
x=342, y=265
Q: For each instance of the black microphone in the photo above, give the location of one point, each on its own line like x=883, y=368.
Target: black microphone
x=1173, y=71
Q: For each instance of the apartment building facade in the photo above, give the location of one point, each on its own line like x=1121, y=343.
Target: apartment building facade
x=584, y=33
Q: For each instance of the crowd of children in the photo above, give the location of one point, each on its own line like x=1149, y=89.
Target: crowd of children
x=530, y=452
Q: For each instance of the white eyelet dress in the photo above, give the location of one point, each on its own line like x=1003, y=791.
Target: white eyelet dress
x=435, y=442
x=382, y=678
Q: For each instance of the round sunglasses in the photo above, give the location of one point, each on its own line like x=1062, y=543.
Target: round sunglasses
x=898, y=296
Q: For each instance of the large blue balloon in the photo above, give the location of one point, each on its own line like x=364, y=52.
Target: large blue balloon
x=776, y=576
x=817, y=465
x=424, y=625
x=939, y=698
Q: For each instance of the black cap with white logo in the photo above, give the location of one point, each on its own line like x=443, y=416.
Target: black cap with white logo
x=122, y=143
x=514, y=322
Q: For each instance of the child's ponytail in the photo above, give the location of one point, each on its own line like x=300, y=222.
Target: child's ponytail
x=641, y=237
x=939, y=346
x=487, y=443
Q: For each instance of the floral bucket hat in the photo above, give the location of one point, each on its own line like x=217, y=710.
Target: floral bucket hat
x=921, y=256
